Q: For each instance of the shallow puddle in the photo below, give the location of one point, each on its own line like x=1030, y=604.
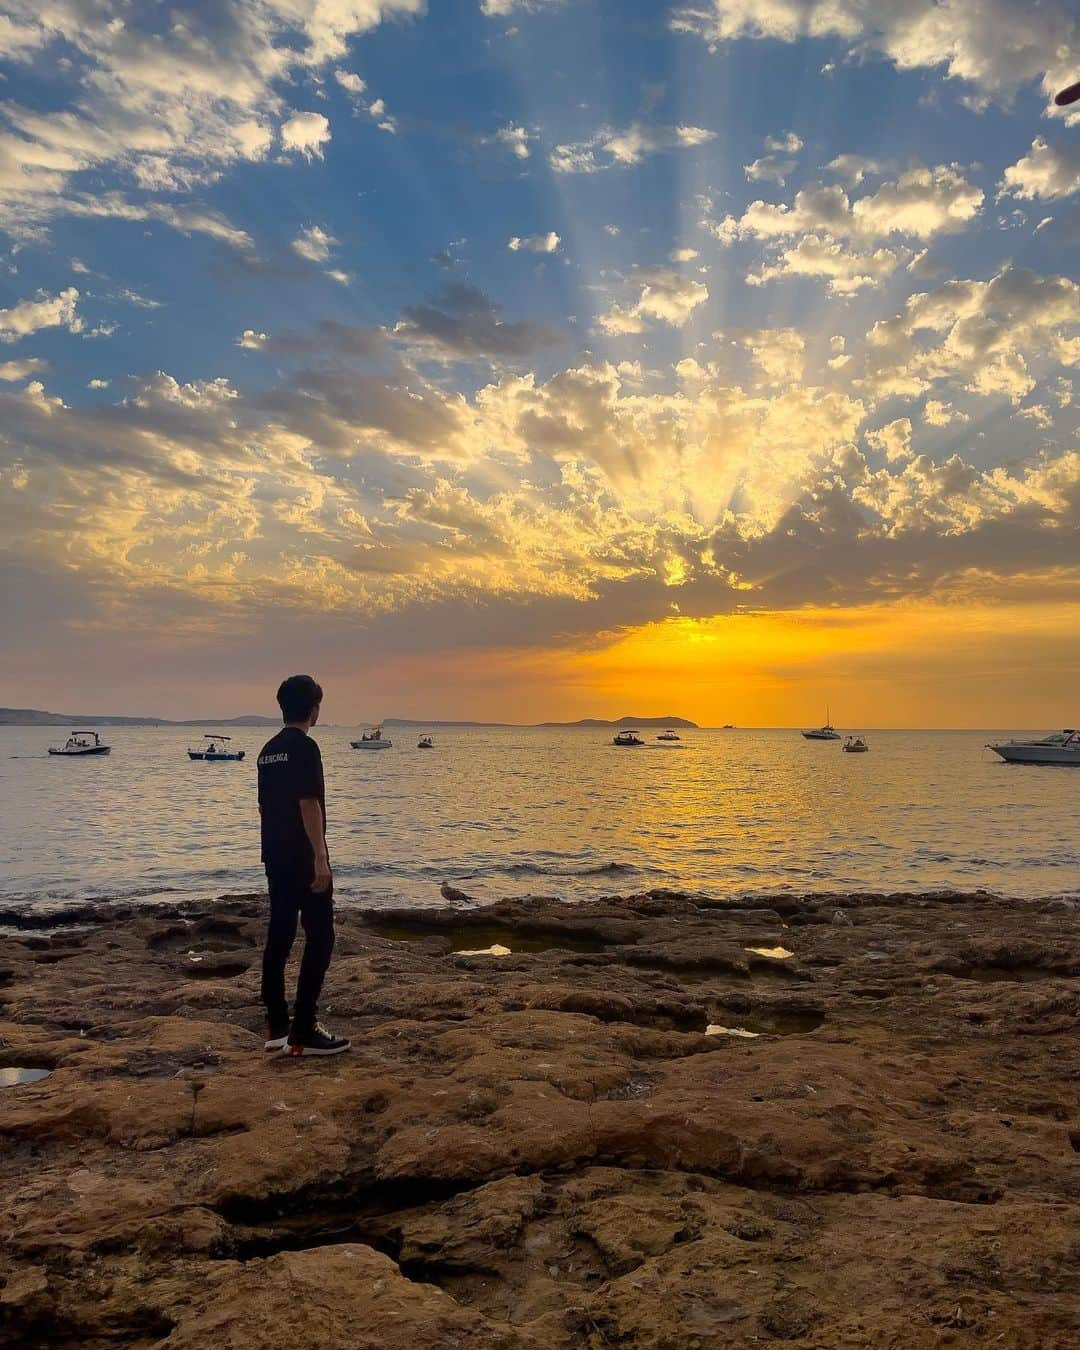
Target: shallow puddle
x=481, y=940
x=780, y=1023
x=14, y=1076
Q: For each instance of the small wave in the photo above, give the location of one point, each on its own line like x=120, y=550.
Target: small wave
x=522, y=869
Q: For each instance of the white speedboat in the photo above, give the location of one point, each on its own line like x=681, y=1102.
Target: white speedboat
x=372, y=740
x=425, y=743
x=214, y=747
x=669, y=735
x=627, y=738
x=855, y=745
x=81, y=743
x=826, y=733
x=1063, y=747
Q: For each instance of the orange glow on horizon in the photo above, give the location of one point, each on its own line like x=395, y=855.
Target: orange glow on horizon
x=916, y=664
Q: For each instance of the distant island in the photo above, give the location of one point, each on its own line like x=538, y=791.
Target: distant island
x=37, y=717
x=550, y=726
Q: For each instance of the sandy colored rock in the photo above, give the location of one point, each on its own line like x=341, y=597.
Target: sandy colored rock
x=545, y=1149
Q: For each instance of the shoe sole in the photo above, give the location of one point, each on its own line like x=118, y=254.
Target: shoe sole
x=298, y=1051
x=278, y=1043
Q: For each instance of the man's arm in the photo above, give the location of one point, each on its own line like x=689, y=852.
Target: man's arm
x=312, y=816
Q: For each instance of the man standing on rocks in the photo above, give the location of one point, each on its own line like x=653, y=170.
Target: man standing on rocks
x=292, y=808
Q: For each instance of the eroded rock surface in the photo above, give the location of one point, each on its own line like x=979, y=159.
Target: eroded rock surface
x=566, y=1145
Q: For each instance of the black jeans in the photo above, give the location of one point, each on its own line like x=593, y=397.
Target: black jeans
x=291, y=898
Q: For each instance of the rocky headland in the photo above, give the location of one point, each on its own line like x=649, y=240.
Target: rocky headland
x=655, y=1121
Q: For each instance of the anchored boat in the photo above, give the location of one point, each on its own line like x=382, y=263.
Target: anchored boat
x=425, y=743
x=372, y=739
x=855, y=745
x=826, y=733
x=214, y=747
x=81, y=743
x=627, y=738
x=670, y=735
x=1062, y=747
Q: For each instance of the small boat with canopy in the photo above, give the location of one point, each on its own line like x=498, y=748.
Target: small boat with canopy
x=372, y=739
x=627, y=737
x=215, y=746
x=425, y=743
x=81, y=743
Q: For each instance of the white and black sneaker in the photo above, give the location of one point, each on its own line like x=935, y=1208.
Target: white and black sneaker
x=277, y=1035
x=317, y=1041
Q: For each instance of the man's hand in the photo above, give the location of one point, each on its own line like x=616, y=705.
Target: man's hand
x=323, y=876
x=311, y=813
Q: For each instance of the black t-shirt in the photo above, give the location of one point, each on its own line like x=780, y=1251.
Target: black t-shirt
x=290, y=771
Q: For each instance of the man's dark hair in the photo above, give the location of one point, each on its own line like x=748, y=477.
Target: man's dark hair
x=297, y=696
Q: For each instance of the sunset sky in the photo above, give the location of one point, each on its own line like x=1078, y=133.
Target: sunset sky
x=525, y=359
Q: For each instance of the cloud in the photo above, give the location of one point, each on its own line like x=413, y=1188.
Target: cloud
x=610, y=146
x=516, y=139
x=921, y=203
x=1045, y=173
x=836, y=235
x=939, y=414
x=994, y=45
x=663, y=295
x=775, y=166
x=198, y=503
x=306, y=133
x=12, y=371
x=769, y=169
x=845, y=270
x=501, y=9
x=777, y=352
x=186, y=219
x=463, y=322
x=314, y=244
x=350, y=82
x=853, y=169
x=535, y=243
x=46, y=311
x=893, y=439
x=355, y=87
x=980, y=335
x=172, y=106
x=682, y=255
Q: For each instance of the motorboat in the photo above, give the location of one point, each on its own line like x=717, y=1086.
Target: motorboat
x=729, y=726
x=215, y=746
x=855, y=745
x=627, y=738
x=425, y=743
x=372, y=739
x=825, y=733
x=1062, y=747
x=81, y=743
x=669, y=735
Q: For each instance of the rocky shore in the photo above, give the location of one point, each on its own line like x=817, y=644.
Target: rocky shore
x=655, y=1122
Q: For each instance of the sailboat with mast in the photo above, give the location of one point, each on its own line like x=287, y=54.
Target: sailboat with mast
x=825, y=733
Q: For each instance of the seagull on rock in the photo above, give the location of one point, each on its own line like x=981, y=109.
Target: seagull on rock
x=453, y=896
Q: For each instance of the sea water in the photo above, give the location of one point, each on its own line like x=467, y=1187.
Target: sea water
x=507, y=812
